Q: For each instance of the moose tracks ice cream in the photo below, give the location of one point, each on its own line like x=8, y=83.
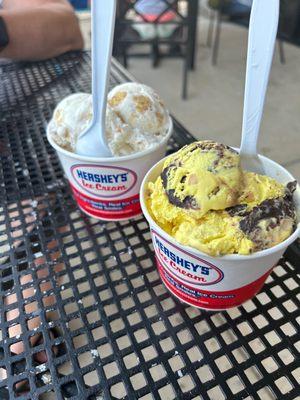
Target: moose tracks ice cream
x=206, y=201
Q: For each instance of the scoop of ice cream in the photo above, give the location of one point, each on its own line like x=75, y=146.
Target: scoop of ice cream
x=202, y=176
x=241, y=229
x=71, y=117
x=140, y=108
x=136, y=119
x=244, y=228
x=262, y=216
x=270, y=222
x=216, y=234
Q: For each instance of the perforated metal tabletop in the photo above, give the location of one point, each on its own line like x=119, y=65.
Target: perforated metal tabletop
x=83, y=312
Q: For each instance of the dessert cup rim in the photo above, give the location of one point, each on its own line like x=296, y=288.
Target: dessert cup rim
x=233, y=257
x=113, y=159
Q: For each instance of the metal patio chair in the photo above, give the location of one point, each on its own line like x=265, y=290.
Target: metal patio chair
x=180, y=44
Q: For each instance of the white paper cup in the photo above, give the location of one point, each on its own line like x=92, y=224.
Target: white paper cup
x=108, y=188
x=214, y=283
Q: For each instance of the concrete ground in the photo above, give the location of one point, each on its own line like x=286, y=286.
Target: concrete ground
x=215, y=104
x=214, y=107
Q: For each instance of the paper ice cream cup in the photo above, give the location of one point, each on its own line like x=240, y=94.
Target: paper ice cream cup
x=214, y=283
x=108, y=188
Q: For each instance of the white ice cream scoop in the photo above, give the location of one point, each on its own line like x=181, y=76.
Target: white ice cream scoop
x=92, y=141
x=262, y=38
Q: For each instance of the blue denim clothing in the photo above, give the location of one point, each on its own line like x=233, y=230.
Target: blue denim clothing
x=151, y=7
x=238, y=7
x=232, y=7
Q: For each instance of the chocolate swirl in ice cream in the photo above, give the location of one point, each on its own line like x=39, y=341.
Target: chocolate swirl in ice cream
x=239, y=210
x=209, y=145
x=266, y=223
x=189, y=202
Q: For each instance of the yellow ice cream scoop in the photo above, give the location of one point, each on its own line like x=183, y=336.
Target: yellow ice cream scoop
x=217, y=233
x=263, y=217
x=202, y=176
x=204, y=200
x=244, y=228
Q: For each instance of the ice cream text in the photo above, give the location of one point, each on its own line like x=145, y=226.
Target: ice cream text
x=179, y=261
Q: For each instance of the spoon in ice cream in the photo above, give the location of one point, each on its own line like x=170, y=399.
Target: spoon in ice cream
x=92, y=141
x=262, y=38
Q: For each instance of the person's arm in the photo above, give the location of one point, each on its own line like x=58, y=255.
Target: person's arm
x=39, y=29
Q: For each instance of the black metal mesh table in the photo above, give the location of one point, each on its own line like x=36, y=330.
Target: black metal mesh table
x=81, y=300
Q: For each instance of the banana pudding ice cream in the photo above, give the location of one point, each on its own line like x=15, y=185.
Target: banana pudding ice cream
x=140, y=111
x=205, y=200
x=71, y=116
x=201, y=177
x=136, y=119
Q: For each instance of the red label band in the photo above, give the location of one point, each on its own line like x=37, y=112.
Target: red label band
x=108, y=209
x=212, y=300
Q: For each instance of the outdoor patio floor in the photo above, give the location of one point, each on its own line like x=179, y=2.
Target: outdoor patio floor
x=214, y=107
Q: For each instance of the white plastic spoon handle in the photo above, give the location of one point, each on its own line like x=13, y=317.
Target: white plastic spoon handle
x=102, y=41
x=262, y=38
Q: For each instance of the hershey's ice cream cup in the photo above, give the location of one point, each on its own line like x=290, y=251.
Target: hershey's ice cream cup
x=214, y=283
x=108, y=188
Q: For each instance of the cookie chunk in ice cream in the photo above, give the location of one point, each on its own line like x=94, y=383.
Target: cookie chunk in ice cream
x=136, y=119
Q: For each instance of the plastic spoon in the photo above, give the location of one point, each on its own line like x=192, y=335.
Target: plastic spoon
x=262, y=38
x=92, y=141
